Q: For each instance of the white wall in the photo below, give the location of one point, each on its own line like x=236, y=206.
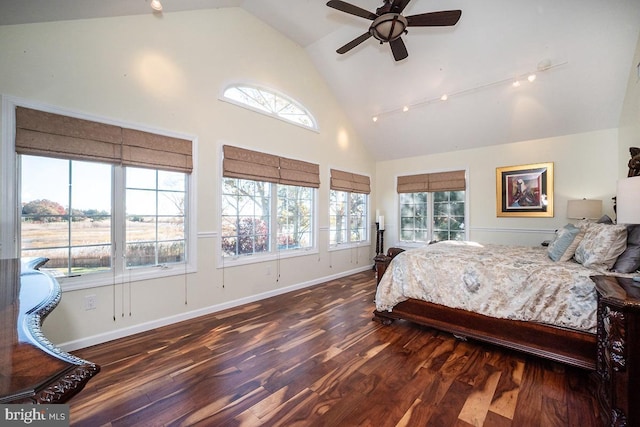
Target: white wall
x=630, y=117
x=167, y=73
x=585, y=166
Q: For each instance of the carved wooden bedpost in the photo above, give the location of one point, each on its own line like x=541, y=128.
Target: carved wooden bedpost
x=382, y=261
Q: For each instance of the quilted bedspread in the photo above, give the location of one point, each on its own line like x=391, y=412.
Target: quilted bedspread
x=511, y=282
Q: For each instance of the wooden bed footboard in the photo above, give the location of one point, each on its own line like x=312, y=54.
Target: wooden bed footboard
x=575, y=348
x=567, y=346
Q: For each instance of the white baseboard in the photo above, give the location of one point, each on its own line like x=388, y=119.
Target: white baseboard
x=142, y=327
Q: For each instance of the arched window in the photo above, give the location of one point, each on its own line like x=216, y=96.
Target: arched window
x=269, y=102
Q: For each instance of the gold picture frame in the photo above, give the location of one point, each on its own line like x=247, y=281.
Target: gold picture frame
x=525, y=190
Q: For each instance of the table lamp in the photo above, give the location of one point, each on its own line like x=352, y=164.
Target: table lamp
x=584, y=209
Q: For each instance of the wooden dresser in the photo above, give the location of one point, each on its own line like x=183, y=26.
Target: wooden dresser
x=32, y=369
x=618, y=358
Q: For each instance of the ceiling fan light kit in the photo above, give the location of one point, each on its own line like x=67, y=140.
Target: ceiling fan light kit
x=388, y=27
x=389, y=24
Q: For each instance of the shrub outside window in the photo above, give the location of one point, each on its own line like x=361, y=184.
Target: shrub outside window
x=347, y=217
x=436, y=216
x=253, y=221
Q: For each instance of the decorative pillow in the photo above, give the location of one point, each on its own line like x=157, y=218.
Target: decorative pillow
x=571, y=250
x=558, y=249
x=601, y=245
x=605, y=219
x=629, y=261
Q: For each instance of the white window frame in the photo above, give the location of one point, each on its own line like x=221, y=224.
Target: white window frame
x=239, y=85
x=347, y=245
x=273, y=253
x=410, y=244
x=10, y=203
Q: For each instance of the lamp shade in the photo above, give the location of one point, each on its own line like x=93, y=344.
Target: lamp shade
x=584, y=209
x=628, y=200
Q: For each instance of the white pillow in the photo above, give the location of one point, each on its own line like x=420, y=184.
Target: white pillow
x=601, y=245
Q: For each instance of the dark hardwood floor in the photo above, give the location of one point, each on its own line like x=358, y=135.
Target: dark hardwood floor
x=314, y=357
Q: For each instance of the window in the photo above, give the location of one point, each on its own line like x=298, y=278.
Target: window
x=347, y=217
x=432, y=207
x=66, y=215
x=155, y=217
x=246, y=211
x=295, y=217
x=248, y=226
x=268, y=204
x=348, y=207
x=432, y=216
x=267, y=101
x=90, y=202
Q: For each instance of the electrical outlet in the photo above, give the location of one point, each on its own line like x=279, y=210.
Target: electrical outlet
x=90, y=302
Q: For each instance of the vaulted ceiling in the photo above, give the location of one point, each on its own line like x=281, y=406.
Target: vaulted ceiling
x=584, y=48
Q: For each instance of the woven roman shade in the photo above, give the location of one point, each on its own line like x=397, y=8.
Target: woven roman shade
x=352, y=182
x=430, y=182
x=297, y=172
x=53, y=135
x=151, y=150
x=257, y=166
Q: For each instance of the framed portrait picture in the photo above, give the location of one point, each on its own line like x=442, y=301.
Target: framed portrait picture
x=525, y=191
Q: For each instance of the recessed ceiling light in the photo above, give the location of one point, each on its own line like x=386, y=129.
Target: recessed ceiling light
x=516, y=83
x=375, y=119
x=444, y=97
x=531, y=77
x=156, y=5
x=405, y=108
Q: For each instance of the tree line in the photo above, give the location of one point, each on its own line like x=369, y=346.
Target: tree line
x=44, y=210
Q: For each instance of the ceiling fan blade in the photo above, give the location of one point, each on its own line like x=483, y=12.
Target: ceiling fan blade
x=353, y=43
x=444, y=18
x=398, y=49
x=351, y=9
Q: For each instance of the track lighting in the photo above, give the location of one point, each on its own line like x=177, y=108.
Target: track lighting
x=530, y=76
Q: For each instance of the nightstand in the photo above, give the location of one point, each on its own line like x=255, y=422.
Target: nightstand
x=618, y=357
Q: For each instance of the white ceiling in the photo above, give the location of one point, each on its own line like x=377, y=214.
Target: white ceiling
x=589, y=43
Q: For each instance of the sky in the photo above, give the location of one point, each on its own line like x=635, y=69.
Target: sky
x=48, y=178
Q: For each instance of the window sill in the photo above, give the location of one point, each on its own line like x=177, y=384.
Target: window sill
x=97, y=280
x=255, y=259
x=344, y=246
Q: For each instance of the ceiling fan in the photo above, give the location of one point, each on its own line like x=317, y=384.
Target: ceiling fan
x=389, y=23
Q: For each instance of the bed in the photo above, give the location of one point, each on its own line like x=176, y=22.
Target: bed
x=513, y=296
